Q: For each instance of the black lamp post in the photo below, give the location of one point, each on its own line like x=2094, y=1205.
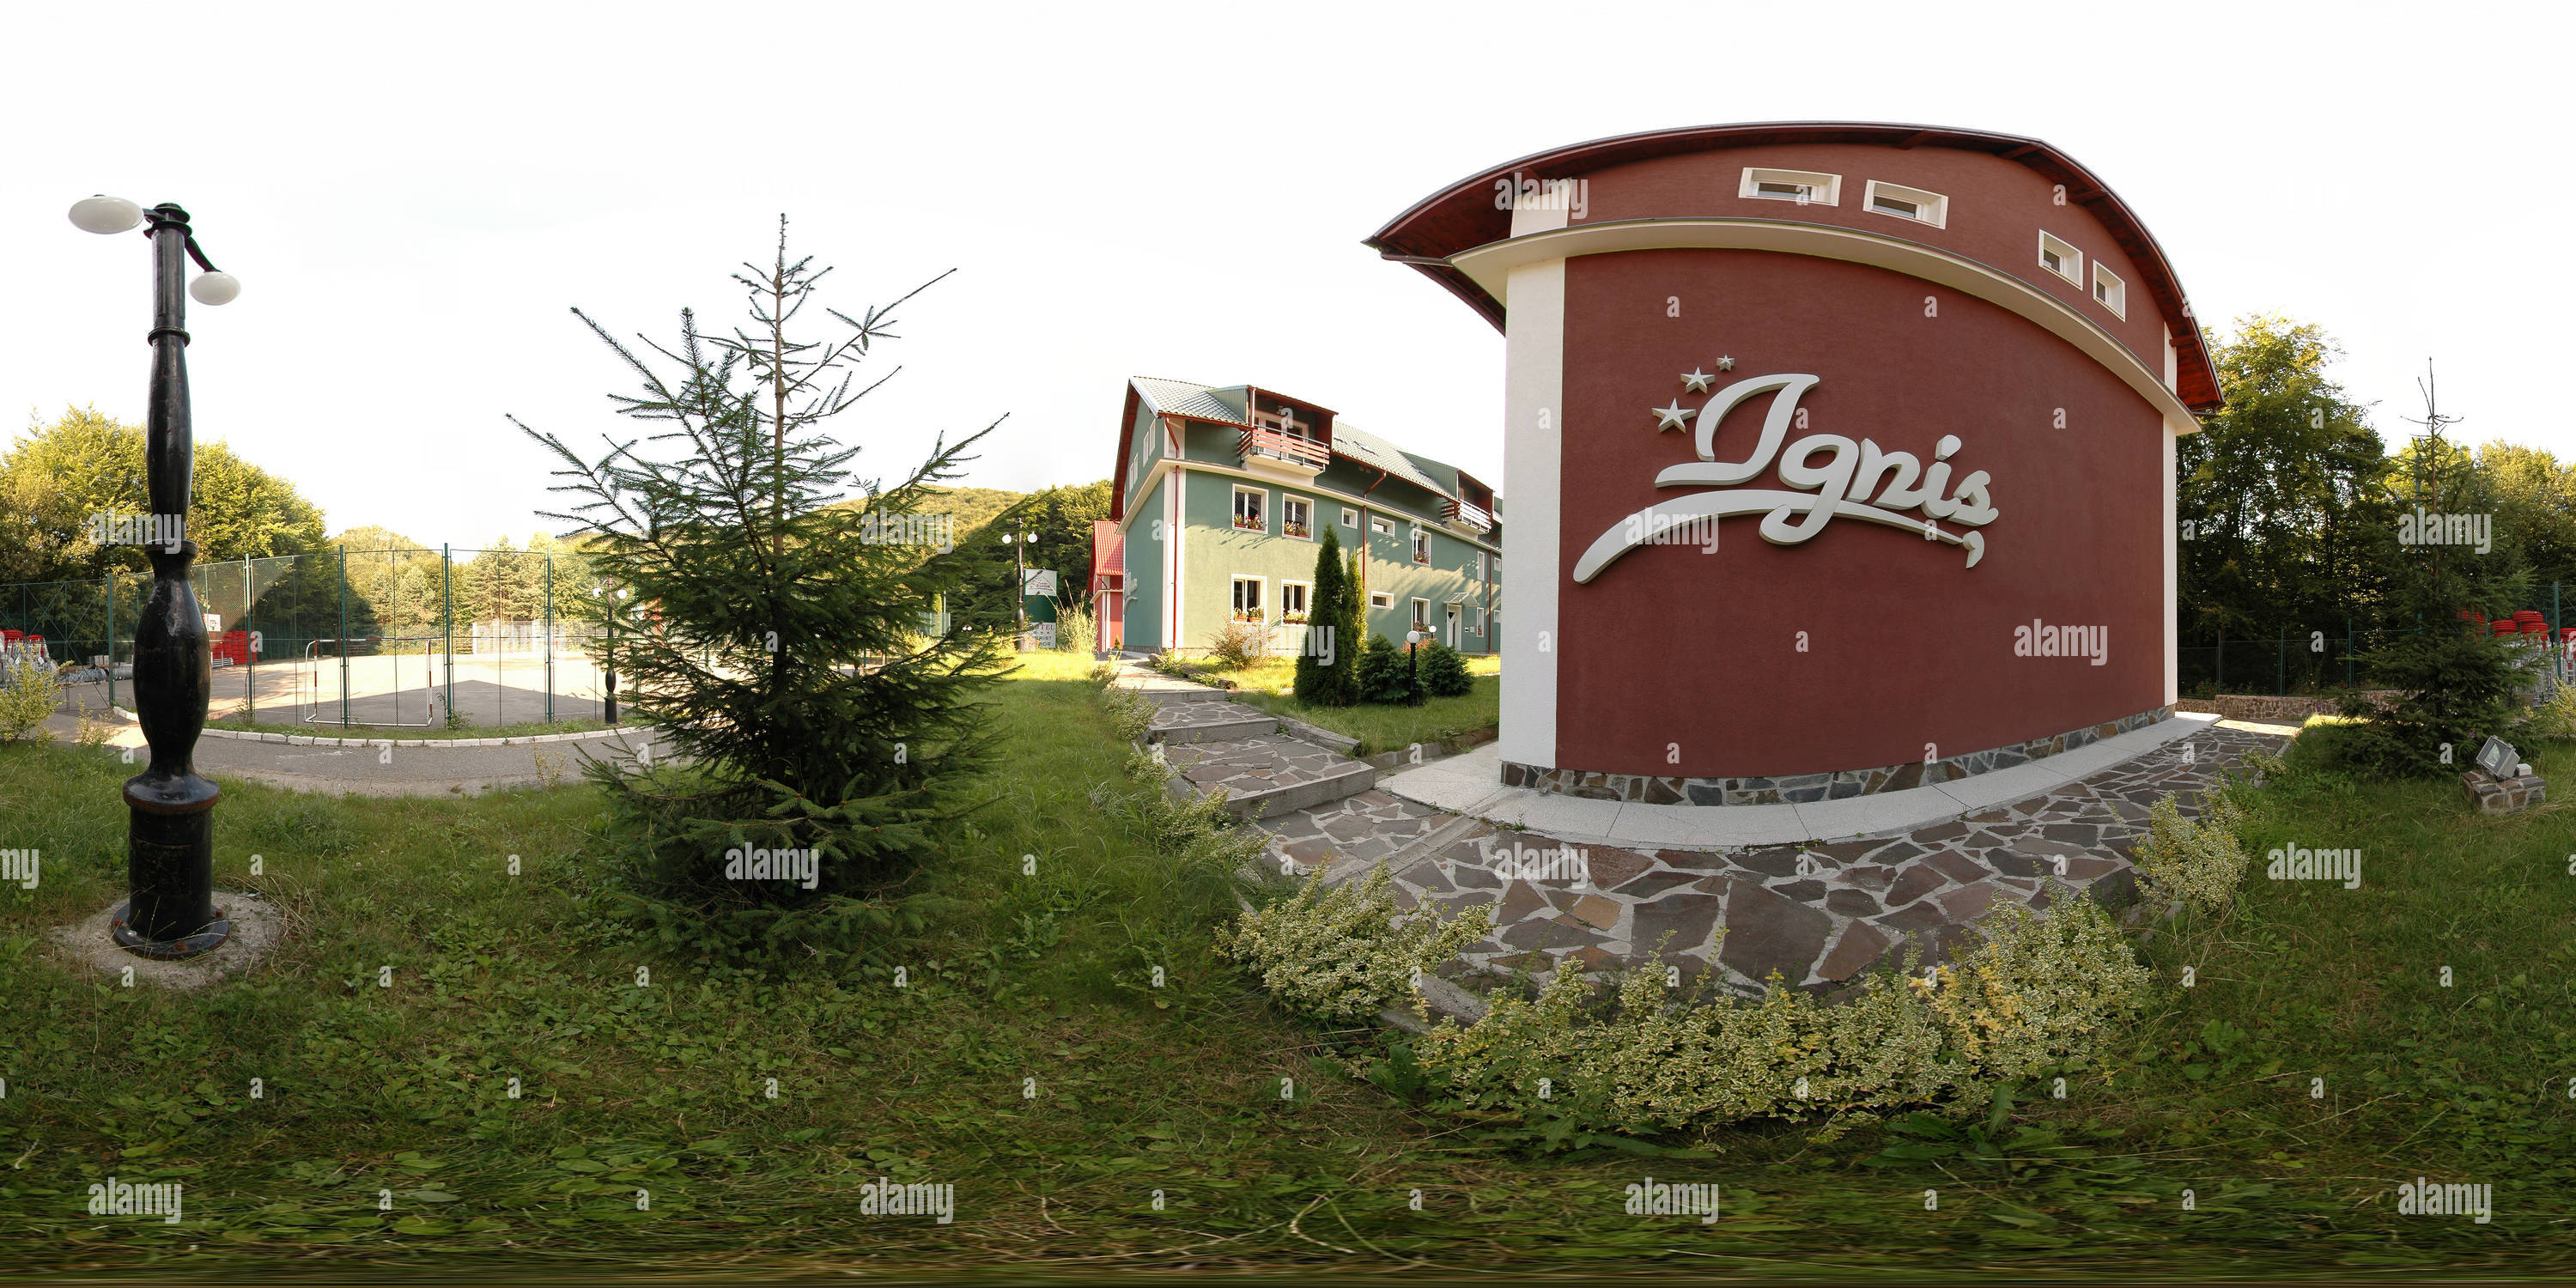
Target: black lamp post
x=609, y=671
x=170, y=907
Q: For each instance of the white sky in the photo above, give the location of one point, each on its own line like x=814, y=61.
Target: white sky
x=413, y=196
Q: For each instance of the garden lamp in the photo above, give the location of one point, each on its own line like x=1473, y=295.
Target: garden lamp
x=170, y=911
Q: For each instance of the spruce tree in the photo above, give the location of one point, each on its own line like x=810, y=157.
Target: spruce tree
x=1318, y=683
x=772, y=636
x=2456, y=683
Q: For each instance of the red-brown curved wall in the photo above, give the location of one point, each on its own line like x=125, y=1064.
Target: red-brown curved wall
x=1905, y=645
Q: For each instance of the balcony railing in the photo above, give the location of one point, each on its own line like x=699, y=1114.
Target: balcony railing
x=1269, y=445
x=1467, y=514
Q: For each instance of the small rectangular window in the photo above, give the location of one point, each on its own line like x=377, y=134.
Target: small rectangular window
x=1350, y=517
x=1296, y=516
x=1908, y=203
x=2059, y=258
x=1480, y=565
x=1292, y=601
x=1381, y=600
x=1421, y=546
x=1806, y=187
x=1381, y=526
x=1247, y=509
x=1422, y=614
x=1247, y=599
x=2110, y=290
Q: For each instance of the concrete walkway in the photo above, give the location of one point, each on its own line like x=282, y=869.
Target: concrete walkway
x=427, y=770
x=1471, y=785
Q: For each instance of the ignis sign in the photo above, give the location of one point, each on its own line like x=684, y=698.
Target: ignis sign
x=1835, y=478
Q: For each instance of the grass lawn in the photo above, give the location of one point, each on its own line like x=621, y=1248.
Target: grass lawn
x=1270, y=683
x=1267, y=1155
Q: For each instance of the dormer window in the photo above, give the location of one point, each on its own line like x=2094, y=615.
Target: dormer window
x=1907, y=203
x=2109, y=291
x=1806, y=187
x=2059, y=258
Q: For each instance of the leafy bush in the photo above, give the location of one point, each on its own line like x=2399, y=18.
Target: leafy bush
x=1345, y=952
x=1385, y=675
x=2039, y=992
x=27, y=696
x=2195, y=860
x=1130, y=713
x=1444, y=672
x=2555, y=718
x=1236, y=644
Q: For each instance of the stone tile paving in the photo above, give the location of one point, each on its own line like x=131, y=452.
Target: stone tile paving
x=1178, y=717
x=1258, y=765
x=1816, y=914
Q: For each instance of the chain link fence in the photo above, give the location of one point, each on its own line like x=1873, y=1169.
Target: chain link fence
x=347, y=638
x=2334, y=657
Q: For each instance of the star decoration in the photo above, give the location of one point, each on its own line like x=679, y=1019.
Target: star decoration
x=1670, y=417
x=1726, y=364
x=1696, y=380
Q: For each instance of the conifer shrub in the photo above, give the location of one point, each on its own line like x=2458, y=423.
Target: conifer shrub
x=1444, y=671
x=1385, y=674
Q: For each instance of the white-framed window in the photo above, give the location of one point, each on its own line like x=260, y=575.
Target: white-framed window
x=1247, y=599
x=1475, y=621
x=2109, y=291
x=2059, y=258
x=1421, y=545
x=1350, y=517
x=1480, y=565
x=1422, y=615
x=1907, y=203
x=1381, y=525
x=1496, y=568
x=1381, y=599
x=1248, y=513
x=1806, y=187
x=1296, y=516
x=1292, y=599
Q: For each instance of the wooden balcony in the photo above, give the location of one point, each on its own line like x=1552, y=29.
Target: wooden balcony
x=1288, y=454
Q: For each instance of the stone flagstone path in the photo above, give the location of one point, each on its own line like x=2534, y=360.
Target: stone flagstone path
x=1815, y=913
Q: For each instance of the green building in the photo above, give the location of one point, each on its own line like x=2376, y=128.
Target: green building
x=1221, y=496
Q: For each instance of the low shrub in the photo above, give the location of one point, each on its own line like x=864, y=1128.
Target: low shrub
x=1385, y=675
x=2197, y=861
x=1236, y=644
x=1443, y=672
x=2039, y=992
x=27, y=696
x=1345, y=952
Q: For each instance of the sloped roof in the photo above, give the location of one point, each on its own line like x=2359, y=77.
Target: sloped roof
x=1378, y=454
x=1225, y=406
x=1463, y=215
x=1199, y=402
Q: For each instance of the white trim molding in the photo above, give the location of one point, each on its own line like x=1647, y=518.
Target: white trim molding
x=1929, y=207
x=1811, y=188
x=2071, y=259
x=1497, y=267
x=1534, y=460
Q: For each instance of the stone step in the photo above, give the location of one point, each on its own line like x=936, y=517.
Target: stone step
x=1207, y=722
x=1268, y=774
